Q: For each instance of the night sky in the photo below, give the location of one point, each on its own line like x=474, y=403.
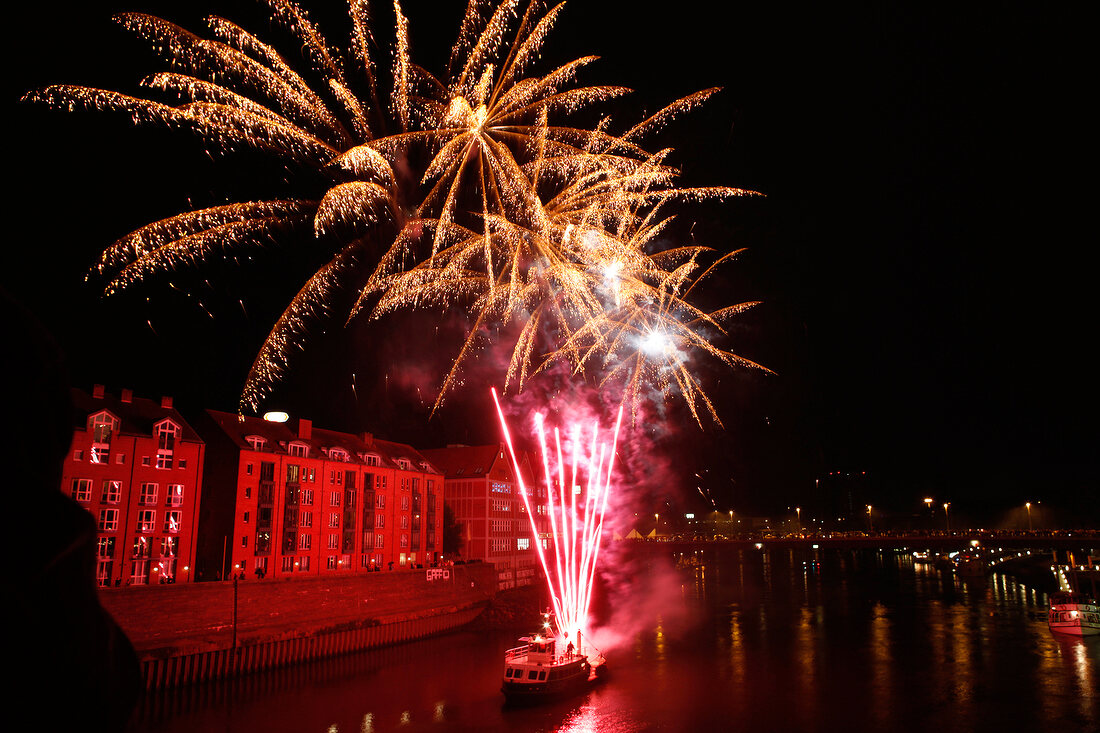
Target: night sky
x=928, y=300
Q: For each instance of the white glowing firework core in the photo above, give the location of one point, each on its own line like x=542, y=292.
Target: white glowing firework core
x=656, y=343
x=576, y=516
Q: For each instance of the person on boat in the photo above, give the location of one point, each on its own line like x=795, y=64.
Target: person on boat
x=569, y=649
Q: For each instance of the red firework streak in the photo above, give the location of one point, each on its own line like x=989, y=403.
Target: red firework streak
x=578, y=483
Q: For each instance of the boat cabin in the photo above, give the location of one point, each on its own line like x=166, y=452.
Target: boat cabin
x=540, y=650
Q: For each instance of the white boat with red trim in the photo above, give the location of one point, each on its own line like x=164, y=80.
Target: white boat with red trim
x=542, y=670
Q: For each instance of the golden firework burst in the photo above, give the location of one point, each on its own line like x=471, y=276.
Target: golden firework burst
x=468, y=190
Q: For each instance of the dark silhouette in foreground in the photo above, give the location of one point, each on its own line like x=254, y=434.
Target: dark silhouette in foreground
x=73, y=666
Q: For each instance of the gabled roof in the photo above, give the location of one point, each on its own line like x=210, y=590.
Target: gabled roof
x=136, y=417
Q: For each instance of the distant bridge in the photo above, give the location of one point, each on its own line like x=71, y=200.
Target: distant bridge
x=1087, y=542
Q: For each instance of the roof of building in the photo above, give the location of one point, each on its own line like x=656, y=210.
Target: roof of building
x=136, y=415
x=320, y=440
x=476, y=461
x=466, y=461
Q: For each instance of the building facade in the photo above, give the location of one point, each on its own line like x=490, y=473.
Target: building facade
x=136, y=465
x=481, y=488
x=288, y=499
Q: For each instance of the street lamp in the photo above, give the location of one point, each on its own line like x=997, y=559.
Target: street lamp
x=870, y=521
x=1028, y=505
x=946, y=515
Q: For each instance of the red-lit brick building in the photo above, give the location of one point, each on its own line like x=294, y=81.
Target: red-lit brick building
x=286, y=499
x=136, y=465
x=482, y=491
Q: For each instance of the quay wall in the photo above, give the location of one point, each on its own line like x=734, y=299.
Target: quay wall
x=191, y=632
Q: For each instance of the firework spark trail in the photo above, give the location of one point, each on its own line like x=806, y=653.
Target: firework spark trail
x=576, y=526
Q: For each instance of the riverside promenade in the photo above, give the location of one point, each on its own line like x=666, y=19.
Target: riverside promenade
x=192, y=632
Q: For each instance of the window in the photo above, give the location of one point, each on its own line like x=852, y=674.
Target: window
x=256, y=443
x=167, y=569
x=288, y=564
x=371, y=459
x=305, y=542
x=170, y=546
x=333, y=520
x=166, y=433
x=379, y=542
x=291, y=473
x=338, y=454
x=108, y=520
x=380, y=520
x=303, y=562
x=380, y=501
x=404, y=521
x=148, y=494
x=112, y=492
x=103, y=572
x=248, y=469
x=334, y=498
x=172, y=521
x=307, y=497
x=404, y=540
x=120, y=458
x=147, y=519
x=298, y=450
x=78, y=455
x=333, y=541
x=523, y=543
x=404, y=503
x=141, y=547
x=82, y=489
x=175, y=495
x=305, y=519
x=332, y=562
x=105, y=547
x=244, y=541
x=102, y=426
x=140, y=573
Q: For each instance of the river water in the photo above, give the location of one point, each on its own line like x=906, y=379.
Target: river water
x=753, y=641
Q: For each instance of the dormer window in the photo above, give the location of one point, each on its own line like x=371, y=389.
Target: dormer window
x=370, y=459
x=403, y=464
x=338, y=454
x=298, y=450
x=102, y=426
x=256, y=442
x=166, y=432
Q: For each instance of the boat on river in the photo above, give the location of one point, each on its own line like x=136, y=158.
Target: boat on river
x=543, y=670
x=970, y=566
x=1073, y=613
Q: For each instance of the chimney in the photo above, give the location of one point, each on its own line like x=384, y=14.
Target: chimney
x=368, y=438
x=127, y=395
x=97, y=391
x=305, y=428
x=166, y=402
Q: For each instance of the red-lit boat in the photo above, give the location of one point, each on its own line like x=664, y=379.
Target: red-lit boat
x=541, y=670
x=1074, y=613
